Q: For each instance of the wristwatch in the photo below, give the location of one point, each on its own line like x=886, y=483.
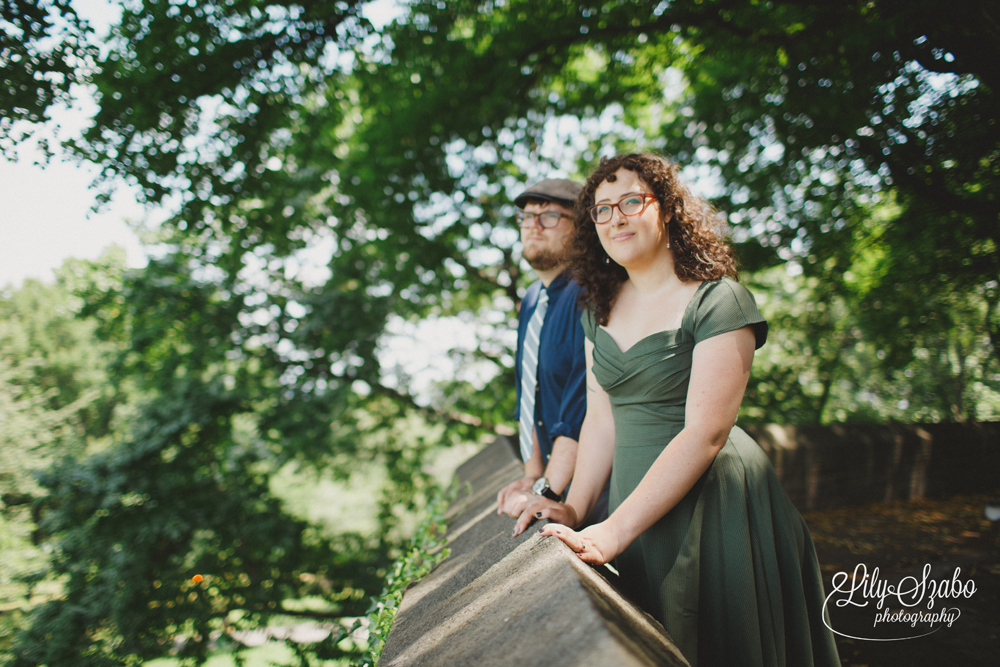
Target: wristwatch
x=541, y=488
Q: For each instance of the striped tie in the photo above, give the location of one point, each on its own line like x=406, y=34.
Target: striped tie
x=529, y=371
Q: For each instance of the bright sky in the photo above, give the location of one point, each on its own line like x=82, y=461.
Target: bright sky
x=45, y=211
x=45, y=218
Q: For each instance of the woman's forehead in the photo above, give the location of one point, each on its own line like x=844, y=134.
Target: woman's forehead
x=626, y=181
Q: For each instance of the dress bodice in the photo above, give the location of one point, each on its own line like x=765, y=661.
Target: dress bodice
x=647, y=383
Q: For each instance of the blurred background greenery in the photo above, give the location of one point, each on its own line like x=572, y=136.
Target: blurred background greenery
x=239, y=435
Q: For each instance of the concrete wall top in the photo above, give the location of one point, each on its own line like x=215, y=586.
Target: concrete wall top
x=528, y=600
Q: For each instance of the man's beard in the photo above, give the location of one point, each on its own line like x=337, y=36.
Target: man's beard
x=545, y=260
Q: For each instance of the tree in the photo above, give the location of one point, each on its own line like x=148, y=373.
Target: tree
x=56, y=400
x=821, y=365
x=171, y=529
x=828, y=95
x=801, y=109
x=807, y=114
x=268, y=120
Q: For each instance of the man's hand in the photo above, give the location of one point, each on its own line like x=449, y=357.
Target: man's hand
x=513, y=498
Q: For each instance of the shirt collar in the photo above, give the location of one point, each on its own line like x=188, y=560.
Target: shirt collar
x=557, y=284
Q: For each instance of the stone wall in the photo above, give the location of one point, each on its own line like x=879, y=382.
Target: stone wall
x=832, y=466
x=498, y=600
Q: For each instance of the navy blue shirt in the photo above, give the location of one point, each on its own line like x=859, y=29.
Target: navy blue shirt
x=561, y=400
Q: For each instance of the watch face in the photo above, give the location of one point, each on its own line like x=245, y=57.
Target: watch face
x=540, y=487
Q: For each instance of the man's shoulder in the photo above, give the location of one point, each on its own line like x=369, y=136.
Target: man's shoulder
x=569, y=293
x=574, y=287
x=530, y=297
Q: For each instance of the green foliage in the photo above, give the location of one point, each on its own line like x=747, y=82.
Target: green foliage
x=136, y=524
x=56, y=400
x=409, y=143
x=185, y=489
x=425, y=551
x=822, y=364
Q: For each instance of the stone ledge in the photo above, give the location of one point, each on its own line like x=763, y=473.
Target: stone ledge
x=499, y=600
x=855, y=464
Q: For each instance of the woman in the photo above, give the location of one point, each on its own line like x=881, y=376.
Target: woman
x=701, y=532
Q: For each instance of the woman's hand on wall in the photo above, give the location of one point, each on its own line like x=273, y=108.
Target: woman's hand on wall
x=596, y=544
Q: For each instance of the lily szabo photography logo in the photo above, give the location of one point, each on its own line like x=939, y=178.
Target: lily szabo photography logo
x=914, y=606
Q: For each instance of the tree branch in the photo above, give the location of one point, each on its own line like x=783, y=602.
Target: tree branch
x=447, y=415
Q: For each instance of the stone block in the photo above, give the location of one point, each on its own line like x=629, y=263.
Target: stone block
x=528, y=600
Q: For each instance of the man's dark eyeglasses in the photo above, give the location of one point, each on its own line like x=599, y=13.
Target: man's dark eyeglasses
x=547, y=220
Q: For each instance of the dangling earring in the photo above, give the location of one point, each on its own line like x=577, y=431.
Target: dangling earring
x=607, y=260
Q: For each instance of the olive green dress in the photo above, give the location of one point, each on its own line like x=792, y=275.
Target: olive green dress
x=731, y=571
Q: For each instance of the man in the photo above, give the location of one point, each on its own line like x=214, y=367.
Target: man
x=548, y=437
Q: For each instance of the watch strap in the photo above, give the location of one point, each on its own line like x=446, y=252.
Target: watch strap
x=541, y=488
x=552, y=495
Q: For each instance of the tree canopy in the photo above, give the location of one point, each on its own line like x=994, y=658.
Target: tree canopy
x=45, y=50
x=272, y=122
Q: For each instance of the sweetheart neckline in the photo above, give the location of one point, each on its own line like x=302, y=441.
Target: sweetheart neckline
x=655, y=333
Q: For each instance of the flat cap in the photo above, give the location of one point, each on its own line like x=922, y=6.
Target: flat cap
x=559, y=190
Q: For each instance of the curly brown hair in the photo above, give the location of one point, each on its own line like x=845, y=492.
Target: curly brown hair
x=699, y=249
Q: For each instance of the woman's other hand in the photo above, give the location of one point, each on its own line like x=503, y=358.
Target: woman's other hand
x=543, y=508
x=596, y=544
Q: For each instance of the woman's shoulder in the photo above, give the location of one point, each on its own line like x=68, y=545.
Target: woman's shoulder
x=724, y=305
x=589, y=322
x=725, y=292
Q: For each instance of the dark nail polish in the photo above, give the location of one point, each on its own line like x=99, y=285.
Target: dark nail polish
x=538, y=514
x=540, y=530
